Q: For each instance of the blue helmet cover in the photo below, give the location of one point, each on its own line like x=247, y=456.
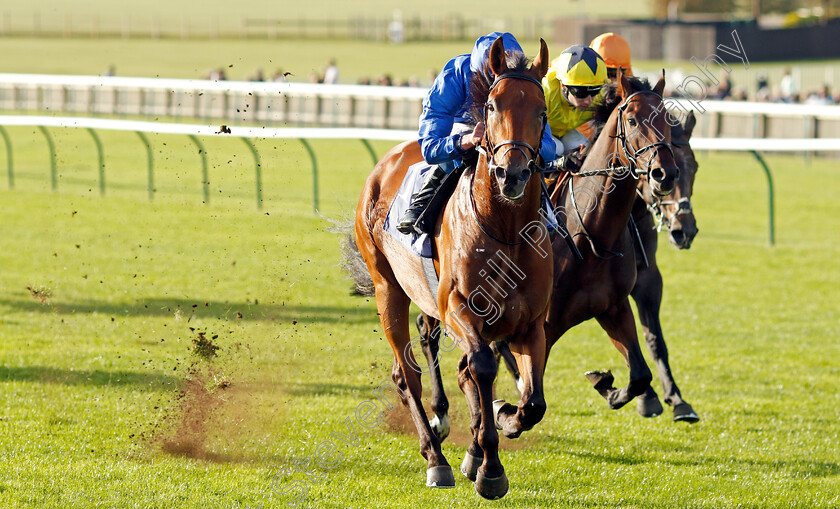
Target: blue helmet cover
x=482, y=47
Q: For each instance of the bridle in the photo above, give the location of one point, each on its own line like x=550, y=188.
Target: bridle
x=655, y=206
x=630, y=153
x=634, y=169
x=490, y=150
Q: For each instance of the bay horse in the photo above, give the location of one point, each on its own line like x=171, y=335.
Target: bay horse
x=492, y=286
x=598, y=286
x=675, y=213
x=596, y=204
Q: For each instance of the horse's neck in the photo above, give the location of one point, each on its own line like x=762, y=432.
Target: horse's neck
x=505, y=218
x=615, y=192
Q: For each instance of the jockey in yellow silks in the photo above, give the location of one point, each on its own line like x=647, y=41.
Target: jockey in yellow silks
x=574, y=81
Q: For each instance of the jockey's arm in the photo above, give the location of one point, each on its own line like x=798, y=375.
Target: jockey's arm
x=444, y=101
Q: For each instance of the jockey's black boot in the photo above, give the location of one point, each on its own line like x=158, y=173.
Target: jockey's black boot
x=420, y=201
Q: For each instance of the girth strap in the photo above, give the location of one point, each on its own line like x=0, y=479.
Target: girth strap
x=431, y=276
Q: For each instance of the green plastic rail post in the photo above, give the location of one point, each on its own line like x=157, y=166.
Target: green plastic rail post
x=150, y=159
x=205, y=177
x=769, y=194
x=258, y=171
x=53, y=171
x=101, y=154
x=369, y=147
x=314, y=174
x=8, y=157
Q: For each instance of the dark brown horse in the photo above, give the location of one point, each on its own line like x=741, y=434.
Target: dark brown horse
x=649, y=213
x=493, y=285
x=596, y=205
x=675, y=213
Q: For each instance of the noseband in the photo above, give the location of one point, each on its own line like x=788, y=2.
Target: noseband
x=530, y=153
x=683, y=209
x=655, y=205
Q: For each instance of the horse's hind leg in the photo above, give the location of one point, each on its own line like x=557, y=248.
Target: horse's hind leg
x=619, y=324
x=430, y=334
x=503, y=353
x=648, y=296
x=529, y=352
x=393, y=303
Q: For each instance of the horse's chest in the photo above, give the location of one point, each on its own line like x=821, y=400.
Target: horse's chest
x=507, y=299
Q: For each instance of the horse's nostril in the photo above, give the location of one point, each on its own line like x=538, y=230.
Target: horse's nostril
x=680, y=239
x=657, y=174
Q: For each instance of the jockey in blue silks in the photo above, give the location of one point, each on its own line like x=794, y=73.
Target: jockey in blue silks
x=446, y=134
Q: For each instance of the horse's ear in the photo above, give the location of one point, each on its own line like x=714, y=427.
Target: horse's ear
x=660, y=85
x=540, y=64
x=690, y=122
x=623, y=83
x=498, y=62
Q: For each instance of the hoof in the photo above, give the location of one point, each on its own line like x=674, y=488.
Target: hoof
x=499, y=408
x=497, y=405
x=440, y=477
x=648, y=406
x=683, y=412
x=440, y=426
x=602, y=381
x=491, y=488
x=469, y=467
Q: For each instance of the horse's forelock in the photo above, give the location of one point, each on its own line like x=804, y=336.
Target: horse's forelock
x=481, y=81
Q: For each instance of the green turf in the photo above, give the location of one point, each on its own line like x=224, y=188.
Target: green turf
x=226, y=17
x=355, y=59
x=102, y=299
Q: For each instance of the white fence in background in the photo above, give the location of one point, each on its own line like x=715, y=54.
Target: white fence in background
x=304, y=104
x=755, y=146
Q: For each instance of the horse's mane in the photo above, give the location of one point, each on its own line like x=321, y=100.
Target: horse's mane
x=604, y=109
x=481, y=81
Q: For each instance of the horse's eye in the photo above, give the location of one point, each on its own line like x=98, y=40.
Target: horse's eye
x=631, y=121
x=490, y=107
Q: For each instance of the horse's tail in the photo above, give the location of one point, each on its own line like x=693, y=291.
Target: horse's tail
x=352, y=262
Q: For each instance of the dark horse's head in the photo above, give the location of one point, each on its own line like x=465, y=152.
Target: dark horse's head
x=642, y=130
x=675, y=211
x=508, y=97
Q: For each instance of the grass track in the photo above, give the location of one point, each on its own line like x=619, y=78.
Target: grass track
x=751, y=330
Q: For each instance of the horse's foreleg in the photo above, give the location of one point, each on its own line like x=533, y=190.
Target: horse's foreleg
x=475, y=454
x=648, y=296
x=430, y=334
x=392, y=303
x=529, y=353
x=619, y=324
x=491, y=481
